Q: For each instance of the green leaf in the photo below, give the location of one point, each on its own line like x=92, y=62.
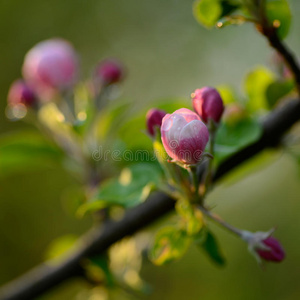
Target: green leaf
x=279, y=14
x=170, y=244
x=101, y=262
x=256, y=84
x=23, y=150
x=192, y=217
x=227, y=94
x=277, y=90
x=231, y=139
x=207, y=12
x=211, y=247
x=131, y=188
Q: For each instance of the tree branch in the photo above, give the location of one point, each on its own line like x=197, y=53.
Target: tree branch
x=99, y=239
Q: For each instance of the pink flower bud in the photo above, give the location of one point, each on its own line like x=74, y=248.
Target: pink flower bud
x=208, y=104
x=154, y=118
x=184, y=136
x=109, y=71
x=21, y=93
x=273, y=252
x=51, y=65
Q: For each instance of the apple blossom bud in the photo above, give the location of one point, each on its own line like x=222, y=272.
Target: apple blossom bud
x=154, y=118
x=51, y=66
x=21, y=93
x=184, y=136
x=208, y=104
x=109, y=71
x=263, y=246
x=274, y=251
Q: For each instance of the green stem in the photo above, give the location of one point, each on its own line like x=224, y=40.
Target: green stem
x=220, y=221
x=209, y=175
x=194, y=180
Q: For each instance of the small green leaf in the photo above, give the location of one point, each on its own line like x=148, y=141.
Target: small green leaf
x=131, y=188
x=209, y=244
x=227, y=94
x=256, y=84
x=26, y=149
x=277, y=90
x=207, y=12
x=279, y=14
x=170, y=244
x=192, y=217
x=231, y=139
x=101, y=262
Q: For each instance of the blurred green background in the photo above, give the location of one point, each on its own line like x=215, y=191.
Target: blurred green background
x=167, y=54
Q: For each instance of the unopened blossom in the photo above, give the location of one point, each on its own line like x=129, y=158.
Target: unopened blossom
x=184, y=136
x=154, y=119
x=21, y=93
x=208, y=104
x=51, y=66
x=109, y=71
x=273, y=252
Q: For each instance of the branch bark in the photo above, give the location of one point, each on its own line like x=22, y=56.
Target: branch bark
x=48, y=275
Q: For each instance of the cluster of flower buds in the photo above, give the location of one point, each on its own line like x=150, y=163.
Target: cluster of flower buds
x=51, y=70
x=184, y=133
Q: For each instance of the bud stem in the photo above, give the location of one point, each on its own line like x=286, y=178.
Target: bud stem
x=217, y=219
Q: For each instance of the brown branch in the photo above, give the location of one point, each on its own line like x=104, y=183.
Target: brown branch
x=99, y=239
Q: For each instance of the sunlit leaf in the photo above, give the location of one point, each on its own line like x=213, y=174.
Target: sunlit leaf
x=131, y=188
x=256, y=84
x=170, y=244
x=227, y=94
x=209, y=244
x=192, y=217
x=279, y=14
x=230, y=139
x=207, y=12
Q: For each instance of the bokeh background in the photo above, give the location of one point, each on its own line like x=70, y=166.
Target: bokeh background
x=167, y=54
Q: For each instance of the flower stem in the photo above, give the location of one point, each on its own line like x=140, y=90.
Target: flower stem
x=217, y=219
